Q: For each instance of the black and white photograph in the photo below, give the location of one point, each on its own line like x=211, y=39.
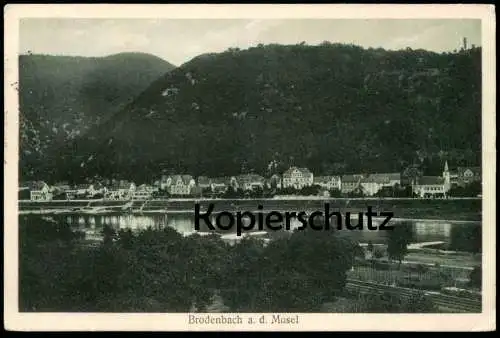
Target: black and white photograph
x=222, y=166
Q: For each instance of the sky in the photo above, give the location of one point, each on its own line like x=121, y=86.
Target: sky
x=179, y=40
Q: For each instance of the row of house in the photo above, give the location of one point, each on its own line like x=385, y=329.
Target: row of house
x=294, y=177
x=422, y=186
x=41, y=191
x=369, y=184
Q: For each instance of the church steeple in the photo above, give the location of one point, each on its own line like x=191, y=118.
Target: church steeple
x=446, y=174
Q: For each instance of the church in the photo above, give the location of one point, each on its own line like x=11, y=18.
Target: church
x=433, y=186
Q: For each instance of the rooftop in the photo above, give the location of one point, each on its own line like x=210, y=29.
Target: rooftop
x=304, y=171
x=430, y=180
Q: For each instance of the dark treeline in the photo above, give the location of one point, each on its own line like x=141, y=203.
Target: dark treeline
x=62, y=97
x=332, y=108
x=162, y=271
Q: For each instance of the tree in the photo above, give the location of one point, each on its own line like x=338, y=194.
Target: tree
x=126, y=238
x=472, y=189
x=335, y=193
x=378, y=253
x=109, y=234
x=241, y=278
x=299, y=81
x=418, y=303
x=370, y=247
x=256, y=277
x=49, y=261
x=310, y=190
x=207, y=192
x=398, y=240
x=475, y=277
x=257, y=192
x=381, y=303
x=394, y=303
x=59, y=196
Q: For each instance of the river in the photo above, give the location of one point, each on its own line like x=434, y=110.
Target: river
x=460, y=236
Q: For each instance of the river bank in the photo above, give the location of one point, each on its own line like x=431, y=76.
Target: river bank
x=459, y=210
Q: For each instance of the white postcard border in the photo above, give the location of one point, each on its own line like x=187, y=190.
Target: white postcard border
x=14, y=320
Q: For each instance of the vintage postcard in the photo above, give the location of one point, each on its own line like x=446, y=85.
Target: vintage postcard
x=249, y=167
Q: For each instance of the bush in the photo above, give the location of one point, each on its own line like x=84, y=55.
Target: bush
x=378, y=253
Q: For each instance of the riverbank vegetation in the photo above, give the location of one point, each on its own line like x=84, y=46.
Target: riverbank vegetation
x=162, y=271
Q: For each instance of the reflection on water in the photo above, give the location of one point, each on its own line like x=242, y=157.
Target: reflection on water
x=456, y=234
x=431, y=230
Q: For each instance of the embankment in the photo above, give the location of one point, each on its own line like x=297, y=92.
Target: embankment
x=443, y=209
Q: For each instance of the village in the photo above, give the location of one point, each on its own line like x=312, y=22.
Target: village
x=459, y=182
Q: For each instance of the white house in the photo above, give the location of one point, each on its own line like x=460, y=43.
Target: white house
x=82, y=189
x=87, y=190
x=297, y=178
x=181, y=184
x=373, y=183
x=143, y=192
x=219, y=184
x=121, y=190
x=36, y=190
x=328, y=182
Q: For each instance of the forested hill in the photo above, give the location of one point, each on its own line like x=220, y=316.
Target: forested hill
x=333, y=108
x=62, y=97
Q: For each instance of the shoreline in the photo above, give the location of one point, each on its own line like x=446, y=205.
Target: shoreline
x=420, y=210
x=159, y=212
x=284, y=198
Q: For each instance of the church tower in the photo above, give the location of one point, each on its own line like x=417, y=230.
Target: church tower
x=446, y=176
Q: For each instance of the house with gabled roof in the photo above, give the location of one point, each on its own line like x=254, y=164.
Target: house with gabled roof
x=328, y=182
x=143, y=192
x=297, y=178
x=120, y=190
x=35, y=191
x=350, y=183
x=88, y=190
x=248, y=182
x=215, y=184
x=181, y=184
x=373, y=183
x=468, y=175
x=82, y=189
x=220, y=184
x=203, y=182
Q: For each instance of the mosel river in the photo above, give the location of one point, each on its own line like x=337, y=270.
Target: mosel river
x=465, y=236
